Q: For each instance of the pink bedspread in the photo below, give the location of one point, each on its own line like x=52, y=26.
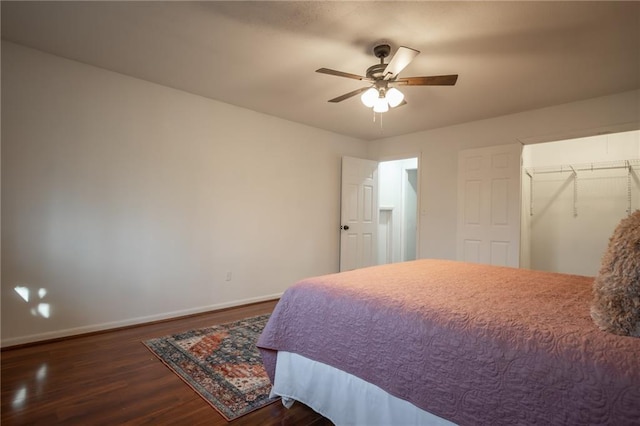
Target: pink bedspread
x=471, y=343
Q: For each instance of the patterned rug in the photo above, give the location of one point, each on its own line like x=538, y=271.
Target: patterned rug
x=221, y=363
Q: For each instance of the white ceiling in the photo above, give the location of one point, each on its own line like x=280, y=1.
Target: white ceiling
x=510, y=56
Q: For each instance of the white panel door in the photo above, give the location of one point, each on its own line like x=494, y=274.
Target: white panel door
x=359, y=213
x=489, y=205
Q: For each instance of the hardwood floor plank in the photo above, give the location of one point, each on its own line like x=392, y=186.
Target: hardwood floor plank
x=112, y=378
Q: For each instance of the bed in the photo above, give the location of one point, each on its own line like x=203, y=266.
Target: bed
x=442, y=342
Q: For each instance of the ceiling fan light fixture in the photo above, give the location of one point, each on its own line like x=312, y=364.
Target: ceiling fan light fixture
x=381, y=105
x=369, y=97
x=394, y=97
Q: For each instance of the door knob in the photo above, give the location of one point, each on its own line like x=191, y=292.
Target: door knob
x=345, y=227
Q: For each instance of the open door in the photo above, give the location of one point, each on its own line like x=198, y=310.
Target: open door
x=359, y=213
x=489, y=205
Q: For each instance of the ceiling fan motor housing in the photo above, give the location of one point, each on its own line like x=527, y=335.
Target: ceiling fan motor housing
x=376, y=71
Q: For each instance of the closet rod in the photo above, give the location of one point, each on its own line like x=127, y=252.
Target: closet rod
x=622, y=164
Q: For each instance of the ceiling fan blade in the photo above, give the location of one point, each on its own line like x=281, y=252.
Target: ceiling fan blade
x=400, y=60
x=434, y=80
x=348, y=95
x=340, y=73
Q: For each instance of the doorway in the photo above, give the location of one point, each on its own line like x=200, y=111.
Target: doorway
x=398, y=210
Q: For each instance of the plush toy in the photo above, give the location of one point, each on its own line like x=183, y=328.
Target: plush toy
x=616, y=290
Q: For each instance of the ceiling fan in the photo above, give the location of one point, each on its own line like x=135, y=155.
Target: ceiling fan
x=381, y=93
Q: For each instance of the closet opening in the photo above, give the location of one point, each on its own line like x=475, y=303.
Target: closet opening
x=574, y=194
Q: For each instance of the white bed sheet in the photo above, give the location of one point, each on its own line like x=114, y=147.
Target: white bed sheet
x=343, y=398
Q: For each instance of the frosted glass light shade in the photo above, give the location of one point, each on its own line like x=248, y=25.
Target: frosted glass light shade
x=369, y=97
x=381, y=105
x=395, y=97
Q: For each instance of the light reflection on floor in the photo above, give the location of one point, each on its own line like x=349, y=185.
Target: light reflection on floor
x=20, y=397
x=22, y=393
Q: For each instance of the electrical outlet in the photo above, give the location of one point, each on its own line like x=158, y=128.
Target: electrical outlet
x=228, y=278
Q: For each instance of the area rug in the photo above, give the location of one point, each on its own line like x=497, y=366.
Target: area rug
x=221, y=363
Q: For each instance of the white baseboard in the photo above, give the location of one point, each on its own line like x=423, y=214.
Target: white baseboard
x=13, y=341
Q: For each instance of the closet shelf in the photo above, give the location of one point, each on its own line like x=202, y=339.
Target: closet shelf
x=573, y=168
x=629, y=165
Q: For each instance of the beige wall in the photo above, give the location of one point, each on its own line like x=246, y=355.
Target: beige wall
x=126, y=201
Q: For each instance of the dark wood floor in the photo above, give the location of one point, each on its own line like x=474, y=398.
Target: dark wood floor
x=112, y=379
